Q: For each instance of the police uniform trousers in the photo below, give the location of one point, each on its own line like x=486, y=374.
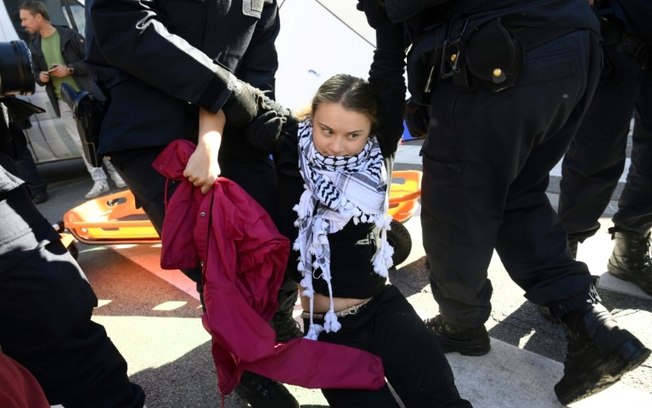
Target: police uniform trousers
x=596, y=158
x=416, y=367
x=239, y=162
x=45, y=324
x=486, y=161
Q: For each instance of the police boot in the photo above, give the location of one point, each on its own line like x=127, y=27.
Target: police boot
x=262, y=392
x=630, y=259
x=544, y=311
x=467, y=341
x=598, y=354
x=285, y=326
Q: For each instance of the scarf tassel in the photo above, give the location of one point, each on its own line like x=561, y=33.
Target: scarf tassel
x=331, y=324
x=313, y=331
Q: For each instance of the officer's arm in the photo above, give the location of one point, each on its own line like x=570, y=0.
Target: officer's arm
x=386, y=76
x=260, y=61
x=132, y=37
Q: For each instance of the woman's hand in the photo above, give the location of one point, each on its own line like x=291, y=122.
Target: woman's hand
x=202, y=168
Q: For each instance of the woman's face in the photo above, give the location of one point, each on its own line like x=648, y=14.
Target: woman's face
x=337, y=131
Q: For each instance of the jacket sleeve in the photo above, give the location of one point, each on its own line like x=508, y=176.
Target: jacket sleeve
x=386, y=76
x=260, y=62
x=133, y=37
x=401, y=10
x=78, y=64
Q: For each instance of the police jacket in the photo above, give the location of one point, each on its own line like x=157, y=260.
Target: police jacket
x=160, y=60
x=420, y=14
x=636, y=14
x=72, y=50
x=243, y=258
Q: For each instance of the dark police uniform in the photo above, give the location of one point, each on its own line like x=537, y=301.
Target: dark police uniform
x=180, y=57
x=596, y=158
x=491, y=145
x=157, y=63
x=45, y=309
x=507, y=84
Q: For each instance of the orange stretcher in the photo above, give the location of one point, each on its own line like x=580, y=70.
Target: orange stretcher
x=114, y=218
x=404, y=194
x=110, y=219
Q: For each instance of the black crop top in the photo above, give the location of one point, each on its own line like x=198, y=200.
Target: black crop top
x=352, y=271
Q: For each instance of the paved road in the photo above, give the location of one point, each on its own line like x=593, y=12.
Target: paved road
x=154, y=318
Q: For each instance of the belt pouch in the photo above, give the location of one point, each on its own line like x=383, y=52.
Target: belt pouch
x=423, y=62
x=493, y=56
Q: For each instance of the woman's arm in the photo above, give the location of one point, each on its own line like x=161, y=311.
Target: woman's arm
x=202, y=168
x=133, y=36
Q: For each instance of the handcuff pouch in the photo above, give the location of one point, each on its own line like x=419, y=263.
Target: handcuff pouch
x=493, y=56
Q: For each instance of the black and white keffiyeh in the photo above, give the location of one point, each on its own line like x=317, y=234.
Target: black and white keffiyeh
x=338, y=189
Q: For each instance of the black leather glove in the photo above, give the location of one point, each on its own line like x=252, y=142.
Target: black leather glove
x=264, y=132
x=246, y=103
x=242, y=106
x=417, y=119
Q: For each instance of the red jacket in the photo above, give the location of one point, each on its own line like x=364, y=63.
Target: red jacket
x=244, y=259
x=18, y=387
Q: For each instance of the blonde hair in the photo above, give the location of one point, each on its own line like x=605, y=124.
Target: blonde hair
x=349, y=91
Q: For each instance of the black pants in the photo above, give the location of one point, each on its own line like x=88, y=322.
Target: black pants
x=253, y=171
x=45, y=324
x=596, y=158
x=486, y=161
x=414, y=363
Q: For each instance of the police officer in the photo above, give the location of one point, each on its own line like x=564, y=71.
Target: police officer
x=46, y=305
x=507, y=83
x=596, y=158
x=168, y=69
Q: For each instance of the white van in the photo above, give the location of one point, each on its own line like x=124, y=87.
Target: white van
x=47, y=138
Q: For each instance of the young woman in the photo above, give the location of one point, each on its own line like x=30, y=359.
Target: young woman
x=339, y=192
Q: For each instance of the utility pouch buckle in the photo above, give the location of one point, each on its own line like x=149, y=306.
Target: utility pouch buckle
x=452, y=54
x=493, y=56
x=423, y=64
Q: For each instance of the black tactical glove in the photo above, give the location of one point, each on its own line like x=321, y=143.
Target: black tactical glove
x=417, y=119
x=246, y=103
x=264, y=132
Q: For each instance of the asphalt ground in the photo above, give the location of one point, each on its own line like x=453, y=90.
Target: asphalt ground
x=154, y=318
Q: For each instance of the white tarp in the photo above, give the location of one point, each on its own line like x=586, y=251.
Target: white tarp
x=319, y=38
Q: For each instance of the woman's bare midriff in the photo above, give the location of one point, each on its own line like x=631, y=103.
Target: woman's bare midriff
x=322, y=303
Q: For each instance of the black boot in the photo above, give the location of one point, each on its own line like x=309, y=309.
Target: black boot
x=261, y=392
x=285, y=326
x=544, y=311
x=599, y=353
x=469, y=342
x=630, y=259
